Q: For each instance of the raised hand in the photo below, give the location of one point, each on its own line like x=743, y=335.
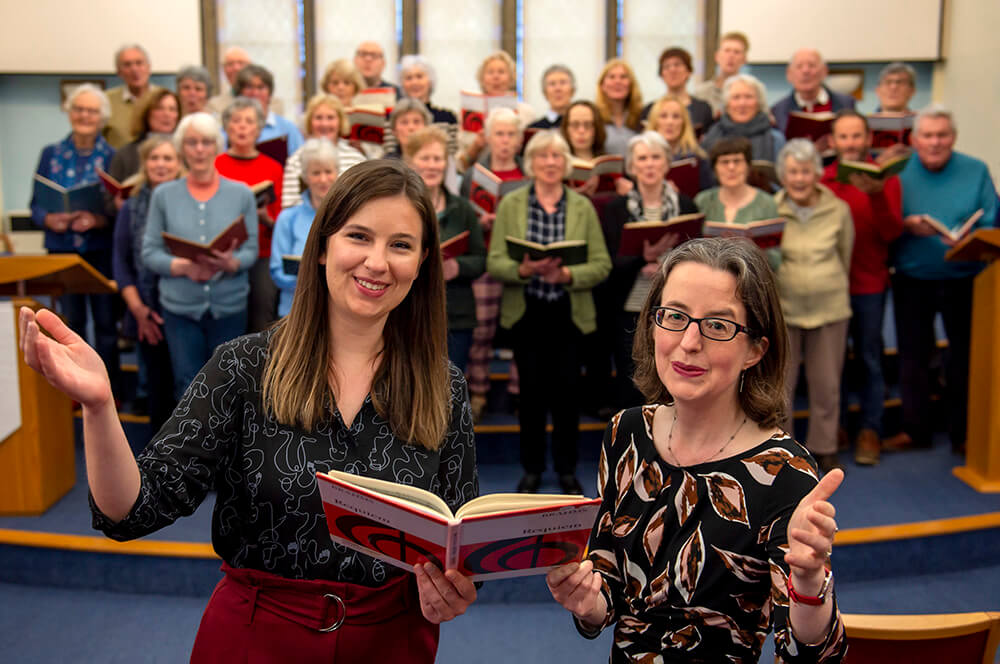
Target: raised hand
x=810, y=534
x=443, y=595
x=66, y=361
x=577, y=587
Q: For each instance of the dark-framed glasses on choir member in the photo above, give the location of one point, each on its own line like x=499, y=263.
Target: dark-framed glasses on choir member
x=716, y=329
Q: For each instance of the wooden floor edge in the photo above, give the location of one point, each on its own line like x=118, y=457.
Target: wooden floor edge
x=916, y=529
x=170, y=549
x=97, y=544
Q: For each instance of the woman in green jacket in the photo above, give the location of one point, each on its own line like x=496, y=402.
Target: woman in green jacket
x=547, y=305
x=426, y=152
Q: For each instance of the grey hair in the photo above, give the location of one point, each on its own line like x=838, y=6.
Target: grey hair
x=408, y=62
x=203, y=124
x=652, y=140
x=94, y=90
x=503, y=115
x=318, y=149
x=934, y=110
x=562, y=69
x=243, y=103
x=409, y=105
x=130, y=47
x=801, y=150
x=544, y=140
x=195, y=73
x=753, y=82
x=899, y=68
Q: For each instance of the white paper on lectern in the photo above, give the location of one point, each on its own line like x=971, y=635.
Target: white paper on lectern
x=10, y=394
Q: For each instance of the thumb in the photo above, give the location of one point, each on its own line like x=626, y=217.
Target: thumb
x=52, y=324
x=826, y=487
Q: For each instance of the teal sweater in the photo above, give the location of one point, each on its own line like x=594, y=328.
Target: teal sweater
x=950, y=195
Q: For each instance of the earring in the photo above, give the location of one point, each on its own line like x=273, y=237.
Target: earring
x=742, y=374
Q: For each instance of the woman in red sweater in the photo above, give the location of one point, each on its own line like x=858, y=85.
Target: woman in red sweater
x=242, y=121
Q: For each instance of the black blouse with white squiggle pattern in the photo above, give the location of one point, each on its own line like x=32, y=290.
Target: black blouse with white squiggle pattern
x=692, y=558
x=268, y=513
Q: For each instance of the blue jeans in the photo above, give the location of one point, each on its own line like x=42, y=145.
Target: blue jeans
x=191, y=342
x=459, y=342
x=866, y=338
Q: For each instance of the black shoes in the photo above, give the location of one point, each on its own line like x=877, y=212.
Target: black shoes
x=570, y=484
x=530, y=483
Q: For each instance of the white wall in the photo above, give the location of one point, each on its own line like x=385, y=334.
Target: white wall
x=968, y=81
x=81, y=36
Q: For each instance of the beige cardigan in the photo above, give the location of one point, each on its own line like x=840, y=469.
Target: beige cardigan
x=815, y=262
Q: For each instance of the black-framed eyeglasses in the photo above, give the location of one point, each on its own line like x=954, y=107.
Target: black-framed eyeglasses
x=716, y=329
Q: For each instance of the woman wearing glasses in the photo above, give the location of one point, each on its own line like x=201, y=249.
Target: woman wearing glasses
x=713, y=526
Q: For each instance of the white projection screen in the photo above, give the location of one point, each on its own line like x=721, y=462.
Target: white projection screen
x=842, y=30
x=81, y=37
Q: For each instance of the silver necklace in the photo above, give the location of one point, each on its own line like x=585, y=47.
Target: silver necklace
x=670, y=438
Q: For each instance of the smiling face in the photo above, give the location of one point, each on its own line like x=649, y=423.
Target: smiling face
x=417, y=84
x=242, y=129
x=85, y=114
x=162, y=165
x=549, y=165
x=692, y=368
x=429, y=162
x=319, y=176
x=163, y=117
x=496, y=78
x=934, y=139
x=743, y=103
x=193, y=94
x=325, y=122
x=616, y=84
x=669, y=121
x=675, y=74
x=800, y=180
x=649, y=165
x=373, y=260
x=558, y=91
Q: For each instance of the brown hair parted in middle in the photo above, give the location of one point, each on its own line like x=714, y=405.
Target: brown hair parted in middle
x=731, y=145
x=410, y=388
x=763, y=394
x=140, y=120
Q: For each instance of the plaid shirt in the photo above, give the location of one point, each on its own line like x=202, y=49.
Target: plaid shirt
x=545, y=228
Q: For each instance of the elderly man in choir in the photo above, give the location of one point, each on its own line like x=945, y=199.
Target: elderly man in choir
x=132, y=66
x=950, y=187
x=896, y=84
x=806, y=72
x=233, y=60
x=875, y=208
x=729, y=59
x=369, y=58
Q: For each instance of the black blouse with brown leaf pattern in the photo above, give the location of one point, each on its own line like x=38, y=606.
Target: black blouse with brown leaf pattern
x=692, y=558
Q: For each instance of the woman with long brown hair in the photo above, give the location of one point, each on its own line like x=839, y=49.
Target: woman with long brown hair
x=620, y=102
x=354, y=379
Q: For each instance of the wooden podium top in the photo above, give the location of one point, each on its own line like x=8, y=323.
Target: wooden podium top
x=54, y=274
x=983, y=245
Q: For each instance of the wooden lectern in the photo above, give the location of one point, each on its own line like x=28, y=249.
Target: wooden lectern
x=38, y=460
x=982, y=456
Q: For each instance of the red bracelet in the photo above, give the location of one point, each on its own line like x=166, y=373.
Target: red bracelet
x=806, y=599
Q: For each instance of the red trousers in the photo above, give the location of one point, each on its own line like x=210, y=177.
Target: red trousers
x=260, y=618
